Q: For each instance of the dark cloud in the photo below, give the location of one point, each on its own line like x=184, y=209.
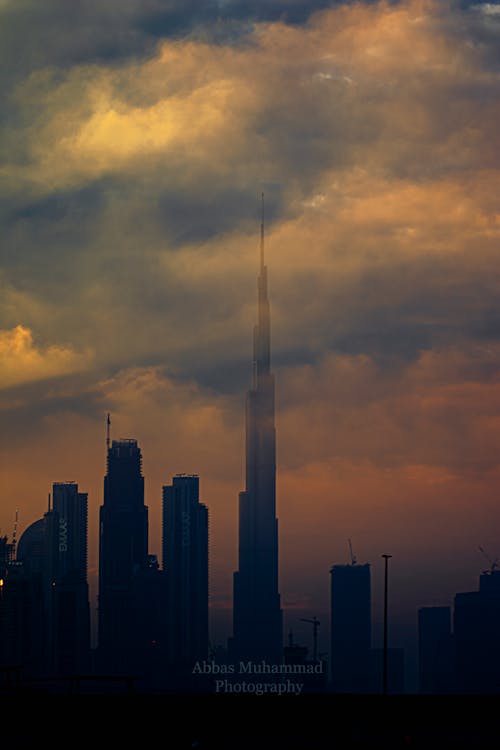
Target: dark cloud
x=24, y=409
x=195, y=217
x=34, y=35
x=46, y=239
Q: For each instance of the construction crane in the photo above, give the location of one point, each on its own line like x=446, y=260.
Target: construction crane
x=493, y=563
x=315, y=623
x=353, y=558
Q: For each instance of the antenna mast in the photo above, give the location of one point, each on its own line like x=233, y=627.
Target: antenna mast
x=108, y=431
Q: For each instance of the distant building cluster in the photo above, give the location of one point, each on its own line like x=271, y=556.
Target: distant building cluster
x=152, y=622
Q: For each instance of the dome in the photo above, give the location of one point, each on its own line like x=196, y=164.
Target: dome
x=30, y=548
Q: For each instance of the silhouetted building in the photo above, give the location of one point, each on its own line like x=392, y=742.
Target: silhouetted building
x=16, y=610
x=148, y=650
x=7, y=552
x=45, y=619
x=296, y=655
x=350, y=628
x=123, y=551
x=185, y=561
x=32, y=547
x=257, y=616
x=476, y=632
x=30, y=575
x=435, y=650
x=66, y=580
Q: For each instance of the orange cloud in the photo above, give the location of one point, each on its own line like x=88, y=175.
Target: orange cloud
x=21, y=361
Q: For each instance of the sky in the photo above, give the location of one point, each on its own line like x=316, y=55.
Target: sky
x=136, y=137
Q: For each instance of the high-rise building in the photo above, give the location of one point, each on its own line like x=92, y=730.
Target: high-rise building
x=123, y=551
x=257, y=615
x=66, y=586
x=185, y=562
x=45, y=620
x=148, y=654
x=435, y=654
x=350, y=628
x=16, y=619
x=476, y=628
x=31, y=563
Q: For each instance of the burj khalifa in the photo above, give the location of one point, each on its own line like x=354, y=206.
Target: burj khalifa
x=257, y=615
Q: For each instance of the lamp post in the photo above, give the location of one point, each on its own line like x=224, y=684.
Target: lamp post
x=387, y=558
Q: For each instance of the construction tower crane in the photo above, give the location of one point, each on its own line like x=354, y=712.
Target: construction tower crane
x=353, y=557
x=315, y=623
x=493, y=563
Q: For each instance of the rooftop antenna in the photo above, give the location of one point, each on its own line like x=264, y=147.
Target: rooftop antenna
x=108, y=430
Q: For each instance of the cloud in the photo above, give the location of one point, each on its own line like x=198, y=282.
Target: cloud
x=145, y=178
x=198, y=107
x=22, y=362
x=440, y=411
x=34, y=37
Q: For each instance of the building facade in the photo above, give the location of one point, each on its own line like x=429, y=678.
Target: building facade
x=185, y=563
x=350, y=628
x=257, y=615
x=66, y=585
x=123, y=552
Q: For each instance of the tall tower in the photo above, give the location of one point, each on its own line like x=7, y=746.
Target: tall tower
x=257, y=616
x=185, y=560
x=66, y=579
x=350, y=628
x=123, y=551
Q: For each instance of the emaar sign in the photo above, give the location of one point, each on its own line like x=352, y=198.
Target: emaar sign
x=63, y=535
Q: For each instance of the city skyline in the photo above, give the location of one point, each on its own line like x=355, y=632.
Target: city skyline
x=132, y=168
x=158, y=621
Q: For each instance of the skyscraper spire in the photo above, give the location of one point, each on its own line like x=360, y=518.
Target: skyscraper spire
x=262, y=331
x=257, y=617
x=108, y=432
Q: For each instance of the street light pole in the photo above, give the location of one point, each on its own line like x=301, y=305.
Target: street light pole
x=387, y=558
